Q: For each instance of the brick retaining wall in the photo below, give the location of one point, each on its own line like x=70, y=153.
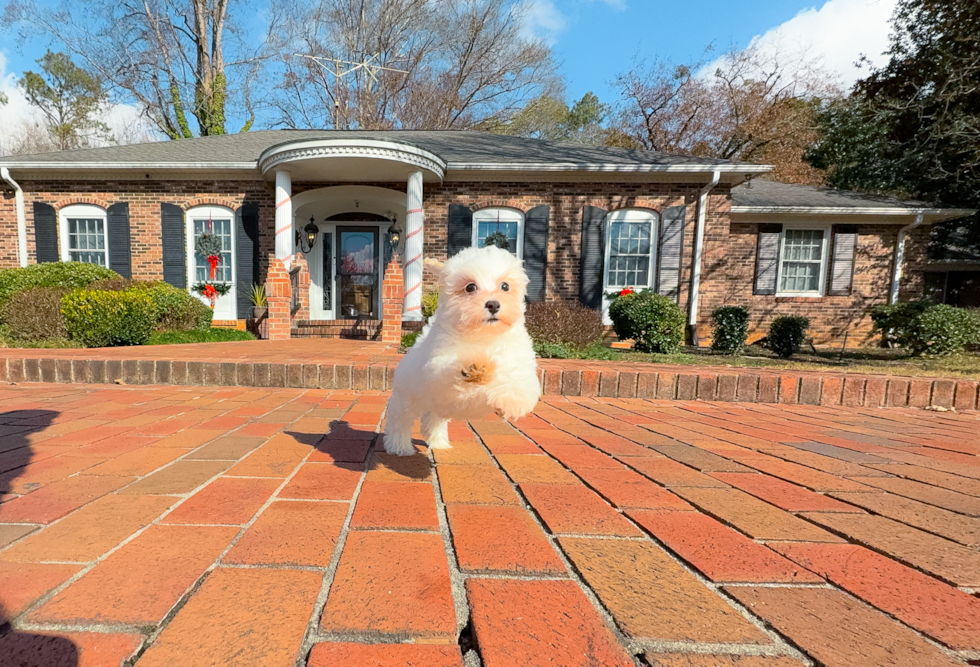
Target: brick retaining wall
x=558, y=378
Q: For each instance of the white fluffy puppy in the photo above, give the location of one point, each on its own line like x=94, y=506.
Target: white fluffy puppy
x=473, y=357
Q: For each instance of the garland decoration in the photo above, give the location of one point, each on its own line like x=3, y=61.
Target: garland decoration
x=498, y=239
x=211, y=291
x=209, y=245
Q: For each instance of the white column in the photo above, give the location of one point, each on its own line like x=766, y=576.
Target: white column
x=285, y=236
x=412, y=305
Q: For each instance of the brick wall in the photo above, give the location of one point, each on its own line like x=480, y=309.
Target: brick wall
x=727, y=272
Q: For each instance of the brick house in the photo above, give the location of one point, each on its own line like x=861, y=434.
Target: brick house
x=317, y=215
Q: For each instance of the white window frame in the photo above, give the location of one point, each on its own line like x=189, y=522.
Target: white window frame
x=824, y=259
x=631, y=215
x=228, y=301
x=501, y=214
x=86, y=212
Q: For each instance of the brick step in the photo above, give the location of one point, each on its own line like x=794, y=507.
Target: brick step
x=559, y=378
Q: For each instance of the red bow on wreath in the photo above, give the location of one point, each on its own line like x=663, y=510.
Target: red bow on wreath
x=213, y=261
x=210, y=293
x=628, y=290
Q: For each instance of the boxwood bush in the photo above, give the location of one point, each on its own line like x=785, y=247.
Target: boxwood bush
x=173, y=309
x=730, y=328
x=100, y=318
x=786, y=334
x=564, y=323
x=67, y=275
x=928, y=329
x=34, y=314
x=654, y=322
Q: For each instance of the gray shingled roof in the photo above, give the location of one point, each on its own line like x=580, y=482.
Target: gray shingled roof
x=771, y=194
x=460, y=147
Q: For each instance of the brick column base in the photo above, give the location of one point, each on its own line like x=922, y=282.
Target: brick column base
x=279, y=293
x=392, y=298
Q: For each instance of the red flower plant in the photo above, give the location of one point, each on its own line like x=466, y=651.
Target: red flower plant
x=625, y=291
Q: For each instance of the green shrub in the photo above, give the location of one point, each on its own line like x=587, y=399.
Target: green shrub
x=68, y=275
x=596, y=350
x=730, y=329
x=941, y=330
x=173, y=309
x=654, y=322
x=408, y=339
x=786, y=334
x=564, y=323
x=34, y=314
x=98, y=318
x=429, y=302
x=896, y=321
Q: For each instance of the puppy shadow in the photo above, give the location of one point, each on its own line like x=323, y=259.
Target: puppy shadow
x=347, y=444
x=26, y=649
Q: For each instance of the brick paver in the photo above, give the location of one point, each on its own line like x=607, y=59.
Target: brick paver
x=264, y=526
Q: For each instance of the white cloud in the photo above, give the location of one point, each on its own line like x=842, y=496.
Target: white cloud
x=543, y=19
x=619, y=5
x=17, y=116
x=838, y=33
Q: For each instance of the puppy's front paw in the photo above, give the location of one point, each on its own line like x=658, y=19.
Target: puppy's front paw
x=478, y=371
x=512, y=409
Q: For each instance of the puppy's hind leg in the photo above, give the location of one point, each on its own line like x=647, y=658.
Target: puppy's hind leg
x=398, y=428
x=435, y=431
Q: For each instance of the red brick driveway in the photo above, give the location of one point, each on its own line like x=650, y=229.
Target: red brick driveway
x=205, y=526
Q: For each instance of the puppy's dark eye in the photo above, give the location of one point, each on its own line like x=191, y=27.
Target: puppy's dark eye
x=470, y=288
x=505, y=287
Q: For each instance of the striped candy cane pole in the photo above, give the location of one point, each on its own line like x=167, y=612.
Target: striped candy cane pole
x=284, y=217
x=413, y=249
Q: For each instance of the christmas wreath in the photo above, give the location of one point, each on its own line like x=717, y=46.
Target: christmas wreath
x=211, y=291
x=209, y=245
x=498, y=239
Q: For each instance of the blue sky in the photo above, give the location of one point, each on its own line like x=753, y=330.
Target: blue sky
x=594, y=40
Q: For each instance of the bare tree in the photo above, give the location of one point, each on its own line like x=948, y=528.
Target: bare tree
x=374, y=64
x=756, y=106
x=170, y=57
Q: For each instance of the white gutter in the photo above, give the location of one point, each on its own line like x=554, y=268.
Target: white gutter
x=900, y=257
x=153, y=166
x=851, y=210
x=692, y=319
x=21, y=216
x=639, y=168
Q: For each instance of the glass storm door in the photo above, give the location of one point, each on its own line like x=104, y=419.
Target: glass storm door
x=357, y=272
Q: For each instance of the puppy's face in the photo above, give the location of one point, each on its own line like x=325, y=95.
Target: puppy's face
x=482, y=291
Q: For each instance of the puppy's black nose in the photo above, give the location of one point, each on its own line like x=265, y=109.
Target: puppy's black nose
x=492, y=306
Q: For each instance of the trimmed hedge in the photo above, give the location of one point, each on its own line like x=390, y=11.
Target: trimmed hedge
x=786, y=334
x=564, y=323
x=430, y=300
x=67, y=275
x=99, y=318
x=654, y=322
x=173, y=309
x=928, y=329
x=730, y=329
x=35, y=313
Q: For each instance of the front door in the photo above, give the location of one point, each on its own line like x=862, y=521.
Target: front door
x=357, y=272
x=220, y=222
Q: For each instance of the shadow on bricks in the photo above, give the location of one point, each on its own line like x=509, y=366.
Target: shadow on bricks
x=24, y=648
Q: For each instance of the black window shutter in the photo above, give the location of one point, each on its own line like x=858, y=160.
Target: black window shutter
x=670, y=250
x=536, y=251
x=117, y=232
x=174, y=245
x=593, y=257
x=842, y=264
x=247, y=256
x=767, y=259
x=460, y=233
x=45, y=233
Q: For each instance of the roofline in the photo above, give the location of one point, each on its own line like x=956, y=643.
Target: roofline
x=220, y=166
x=854, y=210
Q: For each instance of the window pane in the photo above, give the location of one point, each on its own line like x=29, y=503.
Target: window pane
x=202, y=270
x=802, y=260
x=487, y=227
x=629, y=254
x=86, y=240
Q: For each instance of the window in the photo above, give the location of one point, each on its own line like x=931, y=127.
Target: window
x=803, y=261
x=630, y=248
x=499, y=225
x=83, y=234
x=220, y=225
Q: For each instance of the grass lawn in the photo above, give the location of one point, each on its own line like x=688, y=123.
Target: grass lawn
x=856, y=360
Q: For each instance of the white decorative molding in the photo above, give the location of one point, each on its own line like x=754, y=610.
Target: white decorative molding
x=364, y=148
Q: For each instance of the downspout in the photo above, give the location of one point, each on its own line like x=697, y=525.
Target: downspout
x=900, y=257
x=692, y=320
x=21, y=216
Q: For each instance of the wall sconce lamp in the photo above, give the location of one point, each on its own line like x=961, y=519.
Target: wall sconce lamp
x=394, y=233
x=307, y=238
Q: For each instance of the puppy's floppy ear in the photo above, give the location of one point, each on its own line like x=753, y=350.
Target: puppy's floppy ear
x=433, y=265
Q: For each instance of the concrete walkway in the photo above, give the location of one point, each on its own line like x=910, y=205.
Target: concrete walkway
x=198, y=526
